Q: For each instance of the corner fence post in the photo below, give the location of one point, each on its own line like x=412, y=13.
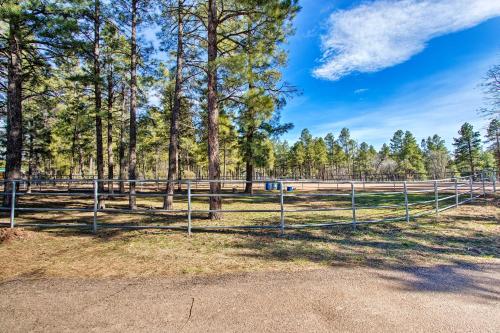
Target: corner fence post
x=436, y=197
x=96, y=203
x=13, y=204
x=189, y=206
x=456, y=192
x=353, y=201
x=282, y=210
x=407, y=210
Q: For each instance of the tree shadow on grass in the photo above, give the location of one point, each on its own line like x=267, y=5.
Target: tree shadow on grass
x=435, y=257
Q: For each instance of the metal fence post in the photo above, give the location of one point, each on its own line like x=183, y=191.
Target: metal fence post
x=282, y=217
x=13, y=204
x=456, y=193
x=189, y=206
x=436, y=196
x=96, y=203
x=353, y=201
x=407, y=210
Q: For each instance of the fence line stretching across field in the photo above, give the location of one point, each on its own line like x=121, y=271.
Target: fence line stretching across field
x=474, y=189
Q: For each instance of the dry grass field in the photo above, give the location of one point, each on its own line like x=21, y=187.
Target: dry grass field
x=470, y=233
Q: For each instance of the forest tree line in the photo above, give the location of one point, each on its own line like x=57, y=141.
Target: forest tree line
x=84, y=93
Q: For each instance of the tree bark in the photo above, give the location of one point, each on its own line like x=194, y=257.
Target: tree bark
x=249, y=161
x=249, y=176
x=30, y=158
x=497, y=148
x=98, y=99
x=14, y=108
x=121, y=149
x=133, y=105
x=471, y=160
x=173, y=148
x=213, y=112
x=111, y=162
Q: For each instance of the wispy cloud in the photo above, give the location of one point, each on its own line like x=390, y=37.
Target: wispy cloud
x=384, y=33
x=360, y=91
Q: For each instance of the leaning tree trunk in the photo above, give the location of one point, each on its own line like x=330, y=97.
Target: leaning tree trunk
x=213, y=113
x=98, y=100
x=173, y=148
x=14, y=109
x=133, y=105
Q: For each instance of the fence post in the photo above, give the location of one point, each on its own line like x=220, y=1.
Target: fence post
x=407, y=210
x=436, y=196
x=456, y=192
x=13, y=204
x=353, y=200
x=282, y=208
x=189, y=206
x=96, y=203
x=471, y=189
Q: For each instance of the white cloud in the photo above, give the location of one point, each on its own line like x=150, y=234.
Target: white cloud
x=384, y=33
x=360, y=91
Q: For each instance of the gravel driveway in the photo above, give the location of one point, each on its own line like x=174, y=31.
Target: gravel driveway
x=445, y=298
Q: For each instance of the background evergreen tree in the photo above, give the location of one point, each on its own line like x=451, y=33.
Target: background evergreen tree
x=468, y=148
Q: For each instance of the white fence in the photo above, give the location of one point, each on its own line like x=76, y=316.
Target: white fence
x=440, y=195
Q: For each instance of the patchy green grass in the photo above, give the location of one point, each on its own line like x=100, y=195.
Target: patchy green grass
x=293, y=203
x=467, y=234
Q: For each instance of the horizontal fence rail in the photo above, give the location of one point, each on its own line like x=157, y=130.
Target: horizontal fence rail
x=405, y=199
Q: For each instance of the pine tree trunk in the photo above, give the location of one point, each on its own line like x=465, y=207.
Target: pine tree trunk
x=73, y=147
x=173, y=147
x=133, y=105
x=249, y=176
x=471, y=160
x=14, y=109
x=213, y=112
x=121, y=148
x=30, y=159
x=98, y=99
x=497, y=149
x=111, y=162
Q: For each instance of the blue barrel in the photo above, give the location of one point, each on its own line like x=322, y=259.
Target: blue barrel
x=278, y=186
x=269, y=186
x=289, y=188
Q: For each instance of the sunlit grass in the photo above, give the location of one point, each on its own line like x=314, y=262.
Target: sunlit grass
x=467, y=234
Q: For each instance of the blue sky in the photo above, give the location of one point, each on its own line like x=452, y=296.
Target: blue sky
x=379, y=66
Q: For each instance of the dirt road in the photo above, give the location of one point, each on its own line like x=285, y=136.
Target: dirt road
x=445, y=298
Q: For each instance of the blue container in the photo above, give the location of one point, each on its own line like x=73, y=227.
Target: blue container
x=278, y=186
x=269, y=186
x=289, y=188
